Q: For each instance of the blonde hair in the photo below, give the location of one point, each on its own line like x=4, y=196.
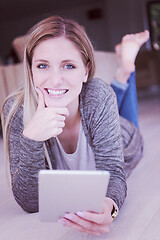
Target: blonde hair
x=51, y=27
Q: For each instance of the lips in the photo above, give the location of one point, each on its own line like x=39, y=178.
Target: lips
x=58, y=92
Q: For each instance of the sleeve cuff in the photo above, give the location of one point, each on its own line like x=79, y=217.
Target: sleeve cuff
x=120, y=85
x=31, y=146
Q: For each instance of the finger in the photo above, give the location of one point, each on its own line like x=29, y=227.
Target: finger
x=75, y=226
x=59, y=131
x=95, y=230
x=60, y=124
x=93, y=217
x=88, y=225
x=62, y=111
x=61, y=118
x=71, y=224
x=56, y=132
x=41, y=101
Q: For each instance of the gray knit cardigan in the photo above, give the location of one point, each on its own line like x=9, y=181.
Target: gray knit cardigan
x=111, y=138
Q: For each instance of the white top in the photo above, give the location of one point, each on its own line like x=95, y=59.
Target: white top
x=81, y=159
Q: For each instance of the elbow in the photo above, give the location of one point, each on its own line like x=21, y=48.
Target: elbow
x=28, y=206
x=28, y=203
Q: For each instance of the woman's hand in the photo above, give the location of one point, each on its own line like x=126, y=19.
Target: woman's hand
x=91, y=223
x=46, y=122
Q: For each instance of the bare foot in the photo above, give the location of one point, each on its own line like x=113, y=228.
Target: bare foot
x=127, y=51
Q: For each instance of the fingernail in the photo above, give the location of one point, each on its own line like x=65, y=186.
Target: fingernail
x=68, y=216
x=80, y=214
x=63, y=222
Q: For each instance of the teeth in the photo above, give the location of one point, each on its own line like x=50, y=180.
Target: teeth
x=56, y=92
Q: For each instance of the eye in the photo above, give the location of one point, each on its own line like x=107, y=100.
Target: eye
x=42, y=66
x=69, y=66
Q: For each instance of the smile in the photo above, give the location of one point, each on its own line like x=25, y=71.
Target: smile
x=57, y=92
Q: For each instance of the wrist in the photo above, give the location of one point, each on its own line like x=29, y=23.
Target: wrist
x=114, y=212
x=29, y=134
x=113, y=207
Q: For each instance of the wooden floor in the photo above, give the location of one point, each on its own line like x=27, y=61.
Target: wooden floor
x=139, y=218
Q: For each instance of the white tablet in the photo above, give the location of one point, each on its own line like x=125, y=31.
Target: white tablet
x=68, y=191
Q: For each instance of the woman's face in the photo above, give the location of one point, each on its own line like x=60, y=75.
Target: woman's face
x=58, y=71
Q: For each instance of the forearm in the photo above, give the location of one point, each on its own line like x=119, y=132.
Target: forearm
x=117, y=190
x=26, y=159
x=109, y=151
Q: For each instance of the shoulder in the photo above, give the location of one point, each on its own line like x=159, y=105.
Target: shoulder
x=96, y=92
x=12, y=108
x=7, y=106
x=96, y=89
x=96, y=86
x=98, y=105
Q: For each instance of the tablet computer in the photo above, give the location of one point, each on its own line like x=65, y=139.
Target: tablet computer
x=69, y=191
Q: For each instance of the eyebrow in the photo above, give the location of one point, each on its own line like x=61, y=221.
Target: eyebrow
x=41, y=60
x=64, y=61
x=69, y=60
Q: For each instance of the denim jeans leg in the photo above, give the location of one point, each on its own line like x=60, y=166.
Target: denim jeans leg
x=127, y=100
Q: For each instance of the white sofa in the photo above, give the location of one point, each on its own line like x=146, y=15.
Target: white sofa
x=11, y=77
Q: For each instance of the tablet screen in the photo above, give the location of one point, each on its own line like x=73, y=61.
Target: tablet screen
x=69, y=191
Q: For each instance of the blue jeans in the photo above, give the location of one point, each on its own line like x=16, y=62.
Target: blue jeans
x=127, y=99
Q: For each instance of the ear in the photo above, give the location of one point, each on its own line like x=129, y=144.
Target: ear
x=87, y=68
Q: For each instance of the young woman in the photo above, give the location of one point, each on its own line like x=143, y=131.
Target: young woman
x=61, y=110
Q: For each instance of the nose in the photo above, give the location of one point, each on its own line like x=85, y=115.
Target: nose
x=56, y=77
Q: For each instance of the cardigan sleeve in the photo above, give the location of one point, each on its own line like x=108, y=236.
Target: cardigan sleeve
x=26, y=159
x=103, y=131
